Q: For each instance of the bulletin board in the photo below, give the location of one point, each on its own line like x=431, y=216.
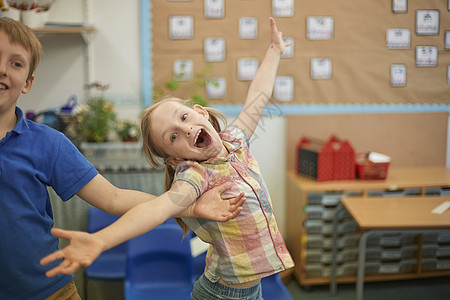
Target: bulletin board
x=346, y=51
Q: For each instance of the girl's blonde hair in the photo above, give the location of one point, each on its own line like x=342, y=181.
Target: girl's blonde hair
x=156, y=155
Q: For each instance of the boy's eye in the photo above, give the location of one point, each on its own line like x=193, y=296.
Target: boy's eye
x=17, y=64
x=173, y=137
x=183, y=117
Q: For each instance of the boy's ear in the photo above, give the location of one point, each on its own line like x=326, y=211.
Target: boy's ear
x=201, y=110
x=27, y=87
x=173, y=161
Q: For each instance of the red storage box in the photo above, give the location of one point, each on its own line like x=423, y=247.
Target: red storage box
x=333, y=159
x=368, y=169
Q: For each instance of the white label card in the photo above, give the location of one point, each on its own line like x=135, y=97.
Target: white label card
x=183, y=69
x=283, y=89
x=447, y=39
x=283, y=8
x=448, y=74
x=289, y=50
x=247, y=68
x=216, y=88
x=426, y=56
x=248, y=28
x=321, y=68
x=214, y=9
x=319, y=28
x=427, y=22
x=181, y=27
x=398, y=38
x=398, y=75
x=400, y=6
x=214, y=49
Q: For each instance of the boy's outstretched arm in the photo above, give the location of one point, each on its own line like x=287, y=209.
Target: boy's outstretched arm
x=84, y=248
x=261, y=87
x=100, y=193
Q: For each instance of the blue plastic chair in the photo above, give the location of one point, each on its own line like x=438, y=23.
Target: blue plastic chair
x=110, y=265
x=159, y=265
x=274, y=289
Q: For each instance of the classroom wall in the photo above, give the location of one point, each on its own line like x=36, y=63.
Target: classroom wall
x=116, y=61
x=115, y=57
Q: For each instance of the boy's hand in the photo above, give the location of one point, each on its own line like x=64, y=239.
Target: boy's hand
x=276, y=37
x=211, y=206
x=83, y=249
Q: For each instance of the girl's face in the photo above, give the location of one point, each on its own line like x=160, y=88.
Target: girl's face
x=184, y=133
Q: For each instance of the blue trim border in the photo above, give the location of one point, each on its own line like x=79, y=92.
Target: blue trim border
x=273, y=109
x=308, y=109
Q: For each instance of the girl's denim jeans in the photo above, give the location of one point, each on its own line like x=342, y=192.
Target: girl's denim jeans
x=207, y=290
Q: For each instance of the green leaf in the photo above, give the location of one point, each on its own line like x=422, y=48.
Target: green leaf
x=172, y=85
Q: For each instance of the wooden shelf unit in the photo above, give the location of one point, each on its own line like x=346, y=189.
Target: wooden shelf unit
x=416, y=181
x=65, y=30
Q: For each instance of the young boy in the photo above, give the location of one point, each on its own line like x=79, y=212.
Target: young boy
x=33, y=157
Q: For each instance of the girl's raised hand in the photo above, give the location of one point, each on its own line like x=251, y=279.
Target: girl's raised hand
x=277, y=36
x=83, y=249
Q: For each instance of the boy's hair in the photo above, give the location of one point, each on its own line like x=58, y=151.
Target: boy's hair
x=155, y=155
x=22, y=35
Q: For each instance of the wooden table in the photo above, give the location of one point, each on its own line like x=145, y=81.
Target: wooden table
x=380, y=215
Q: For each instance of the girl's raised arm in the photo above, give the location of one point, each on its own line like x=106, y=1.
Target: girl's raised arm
x=261, y=87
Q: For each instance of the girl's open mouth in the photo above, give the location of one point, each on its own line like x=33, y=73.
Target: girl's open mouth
x=202, y=140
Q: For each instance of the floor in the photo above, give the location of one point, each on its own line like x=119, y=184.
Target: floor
x=417, y=289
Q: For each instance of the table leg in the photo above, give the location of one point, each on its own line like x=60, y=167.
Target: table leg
x=361, y=265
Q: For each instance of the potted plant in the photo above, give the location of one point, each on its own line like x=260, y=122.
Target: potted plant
x=96, y=118
x=127, y=130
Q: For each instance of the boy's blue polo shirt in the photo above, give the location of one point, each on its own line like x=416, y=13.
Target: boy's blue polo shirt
x=32, y=157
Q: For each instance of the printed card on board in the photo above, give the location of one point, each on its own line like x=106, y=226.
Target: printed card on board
x=283, y=89
x=214, y=9
x=248, y=28
x=427, y=22
x=216, y=88
x=183, y=69
x=289, y=50
x=447, y=39
x=398, y=38
x=398, y=75
x=426, y=56
x=321, y=68
x=247, y=68
x=181, y=27
x=283, y=8
x=214, y=49
x=400, y=6
x=319, y=28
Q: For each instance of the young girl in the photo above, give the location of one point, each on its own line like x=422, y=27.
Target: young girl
x=198, y=157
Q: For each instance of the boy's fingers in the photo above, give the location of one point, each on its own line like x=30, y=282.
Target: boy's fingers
x=237, y=200
x=222, y=188
x=241, y=201
x=60, y=233
x=52, y=257
x=66, y=267
x=236, y=212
